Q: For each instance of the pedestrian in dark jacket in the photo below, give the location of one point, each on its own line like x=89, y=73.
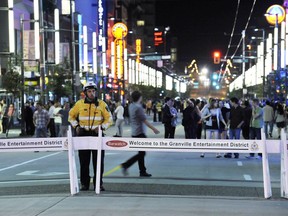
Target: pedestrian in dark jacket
x=190, y=120
x=168, y=118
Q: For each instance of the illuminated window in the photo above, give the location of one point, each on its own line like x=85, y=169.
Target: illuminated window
x=140, y=22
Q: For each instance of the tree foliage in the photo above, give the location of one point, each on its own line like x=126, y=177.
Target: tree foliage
x=11, y=81
x=59, y=81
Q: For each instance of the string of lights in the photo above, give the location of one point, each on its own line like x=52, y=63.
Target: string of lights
x=240, y=41
x=247, y=24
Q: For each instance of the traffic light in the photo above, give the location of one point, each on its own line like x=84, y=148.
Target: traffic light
x=217, y=57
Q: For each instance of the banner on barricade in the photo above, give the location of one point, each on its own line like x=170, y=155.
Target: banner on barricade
x=34, y=144
x=184, y=145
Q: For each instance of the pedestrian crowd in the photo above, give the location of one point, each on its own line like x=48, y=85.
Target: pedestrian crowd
x=41, y=120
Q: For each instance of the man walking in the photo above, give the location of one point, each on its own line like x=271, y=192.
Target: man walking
x=137, y=121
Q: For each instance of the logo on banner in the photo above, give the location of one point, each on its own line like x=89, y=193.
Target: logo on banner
x=254, y=146
x=116, y=143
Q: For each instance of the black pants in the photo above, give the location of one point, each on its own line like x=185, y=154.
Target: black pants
x=85, y=158
x=138, y=157
x=255, y=133
x=154, y=116
x=51, y=127
x=30, y=128
x=199, y=131
x=190, y=131
x=246, y=132
x=160, y=116
x=169, y=130
x=4, y=124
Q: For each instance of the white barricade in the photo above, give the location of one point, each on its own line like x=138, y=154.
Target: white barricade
x=82, y=143
x=173, y=145
x=284, y=165
x=34, y=144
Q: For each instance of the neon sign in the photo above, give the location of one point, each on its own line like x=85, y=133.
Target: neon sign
x=101, y=22
x=138, y=49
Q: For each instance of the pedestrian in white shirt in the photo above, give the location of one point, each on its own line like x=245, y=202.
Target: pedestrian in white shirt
x=57, y=119
x=51, y=125
x=119, y=112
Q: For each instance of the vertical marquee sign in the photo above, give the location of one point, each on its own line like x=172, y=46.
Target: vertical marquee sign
x=101, y=22
x=119, y=31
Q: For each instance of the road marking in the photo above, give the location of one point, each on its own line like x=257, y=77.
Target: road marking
x=239, y=163
x=247, y=177
x=34, y=173
x=111, y=153
x=26, y=162
x=112, y=170
x=34, y=181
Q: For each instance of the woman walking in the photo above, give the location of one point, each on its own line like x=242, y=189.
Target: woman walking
x=280, y=118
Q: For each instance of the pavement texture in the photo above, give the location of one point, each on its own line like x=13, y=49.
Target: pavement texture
x=130, y=205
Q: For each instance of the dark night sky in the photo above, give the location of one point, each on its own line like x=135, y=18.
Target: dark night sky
x=200, y=24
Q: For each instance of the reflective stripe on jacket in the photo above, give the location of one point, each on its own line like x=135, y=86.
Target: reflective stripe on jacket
x=90, y=116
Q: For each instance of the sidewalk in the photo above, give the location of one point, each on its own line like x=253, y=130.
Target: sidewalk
x=140, y=205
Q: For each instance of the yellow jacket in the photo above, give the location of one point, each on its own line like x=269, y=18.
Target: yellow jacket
x=89, y=116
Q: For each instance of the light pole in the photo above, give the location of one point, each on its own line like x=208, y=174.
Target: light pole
x=264, y=55
x=165, y=38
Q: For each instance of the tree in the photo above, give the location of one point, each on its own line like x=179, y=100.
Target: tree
x=59, y=82
x=12, y=82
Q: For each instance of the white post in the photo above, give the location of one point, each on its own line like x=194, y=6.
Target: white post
x=85, y=49
x=113, y=59
x=11, y=27
x=125, y=64
x=286, y=40
x=104, y=62
x=74, y=187
x=57, y=36
x=98, y=165
x=94, y=42
x=36, y=29
x=276, y=46
x=283, y=53
x=265, y=165
x=284, y=165
x=269, y=54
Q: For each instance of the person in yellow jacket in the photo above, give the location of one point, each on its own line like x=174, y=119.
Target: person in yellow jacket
x=86, y=117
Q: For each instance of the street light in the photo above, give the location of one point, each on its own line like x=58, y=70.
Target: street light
x=264, y=55
x=165, y=38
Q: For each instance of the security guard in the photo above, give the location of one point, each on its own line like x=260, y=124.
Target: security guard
x=86, y=116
